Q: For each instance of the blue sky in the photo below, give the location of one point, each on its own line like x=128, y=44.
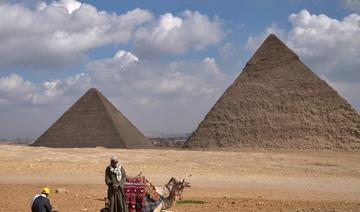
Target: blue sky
x=162, y=63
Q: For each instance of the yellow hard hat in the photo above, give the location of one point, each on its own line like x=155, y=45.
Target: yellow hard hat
x=46, y=191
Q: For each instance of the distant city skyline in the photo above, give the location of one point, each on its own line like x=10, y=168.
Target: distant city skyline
x=163, y=63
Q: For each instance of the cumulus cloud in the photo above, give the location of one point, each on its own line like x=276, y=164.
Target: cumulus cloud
x=148, y=79
x=152, y=94
x=125, y=57
x=70, y=5
x=54, y=35
x=14, y=87
x=15, y=91
x=331, y=47
x=178, y=34
x=27, y=108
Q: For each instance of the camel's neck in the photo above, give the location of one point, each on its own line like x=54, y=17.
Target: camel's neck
x=174, y=189
x=169, y=201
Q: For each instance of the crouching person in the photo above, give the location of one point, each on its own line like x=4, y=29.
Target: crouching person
x=40, y=202
x=115, y=180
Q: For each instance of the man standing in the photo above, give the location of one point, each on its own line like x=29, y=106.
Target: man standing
x=115, y=180
x=40, y=202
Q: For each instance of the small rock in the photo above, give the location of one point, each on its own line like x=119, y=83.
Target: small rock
x=88, y=197
x=61, y=190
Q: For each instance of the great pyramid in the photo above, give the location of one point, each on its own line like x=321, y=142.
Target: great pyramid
x=277, y=101
x=93, y=121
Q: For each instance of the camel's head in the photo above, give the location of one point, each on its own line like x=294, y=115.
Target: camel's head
x=177, y=186
x=183, y=184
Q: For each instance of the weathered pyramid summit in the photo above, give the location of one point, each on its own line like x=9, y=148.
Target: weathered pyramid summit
x=278, y=102
x=93, y=121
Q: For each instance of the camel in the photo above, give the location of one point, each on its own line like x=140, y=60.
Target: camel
x=168, y=194
x=171, y=190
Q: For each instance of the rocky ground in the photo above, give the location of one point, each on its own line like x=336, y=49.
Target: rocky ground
x=246, y=180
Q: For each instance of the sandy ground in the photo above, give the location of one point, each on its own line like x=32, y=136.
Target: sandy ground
x=246, y=180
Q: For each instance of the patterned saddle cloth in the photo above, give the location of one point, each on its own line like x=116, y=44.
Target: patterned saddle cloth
x=137, y=190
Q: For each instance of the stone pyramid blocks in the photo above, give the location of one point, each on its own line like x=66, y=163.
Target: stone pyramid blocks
x=277, y=101
x=93, y=121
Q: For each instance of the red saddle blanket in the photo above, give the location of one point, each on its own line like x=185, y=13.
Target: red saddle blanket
x=134, y=190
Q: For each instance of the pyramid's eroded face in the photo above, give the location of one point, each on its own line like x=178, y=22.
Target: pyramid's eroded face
x=278, y=102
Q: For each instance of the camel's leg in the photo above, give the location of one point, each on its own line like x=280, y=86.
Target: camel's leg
x=159, y=207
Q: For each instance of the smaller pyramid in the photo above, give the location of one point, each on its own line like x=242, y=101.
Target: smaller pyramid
x=93, y=121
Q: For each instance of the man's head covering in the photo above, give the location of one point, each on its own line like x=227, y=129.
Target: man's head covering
x=46, y=191
x=115, y=168
x=114, y=158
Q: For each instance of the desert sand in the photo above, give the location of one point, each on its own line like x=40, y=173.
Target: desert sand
x=242, y=180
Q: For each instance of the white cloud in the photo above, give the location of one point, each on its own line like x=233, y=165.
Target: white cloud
x=27, y=108
x=70, y=5
x=14, y=88
x=210, y=65
x=126, y=57
x=173, y=34
x=155, y=94
x=330, y=47
x=17, y=92
x=41, y=5
x=151, y=94
x=181, y=79
x=57, y=34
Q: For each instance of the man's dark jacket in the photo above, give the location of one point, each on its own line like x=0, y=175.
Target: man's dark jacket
x=41, y=204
